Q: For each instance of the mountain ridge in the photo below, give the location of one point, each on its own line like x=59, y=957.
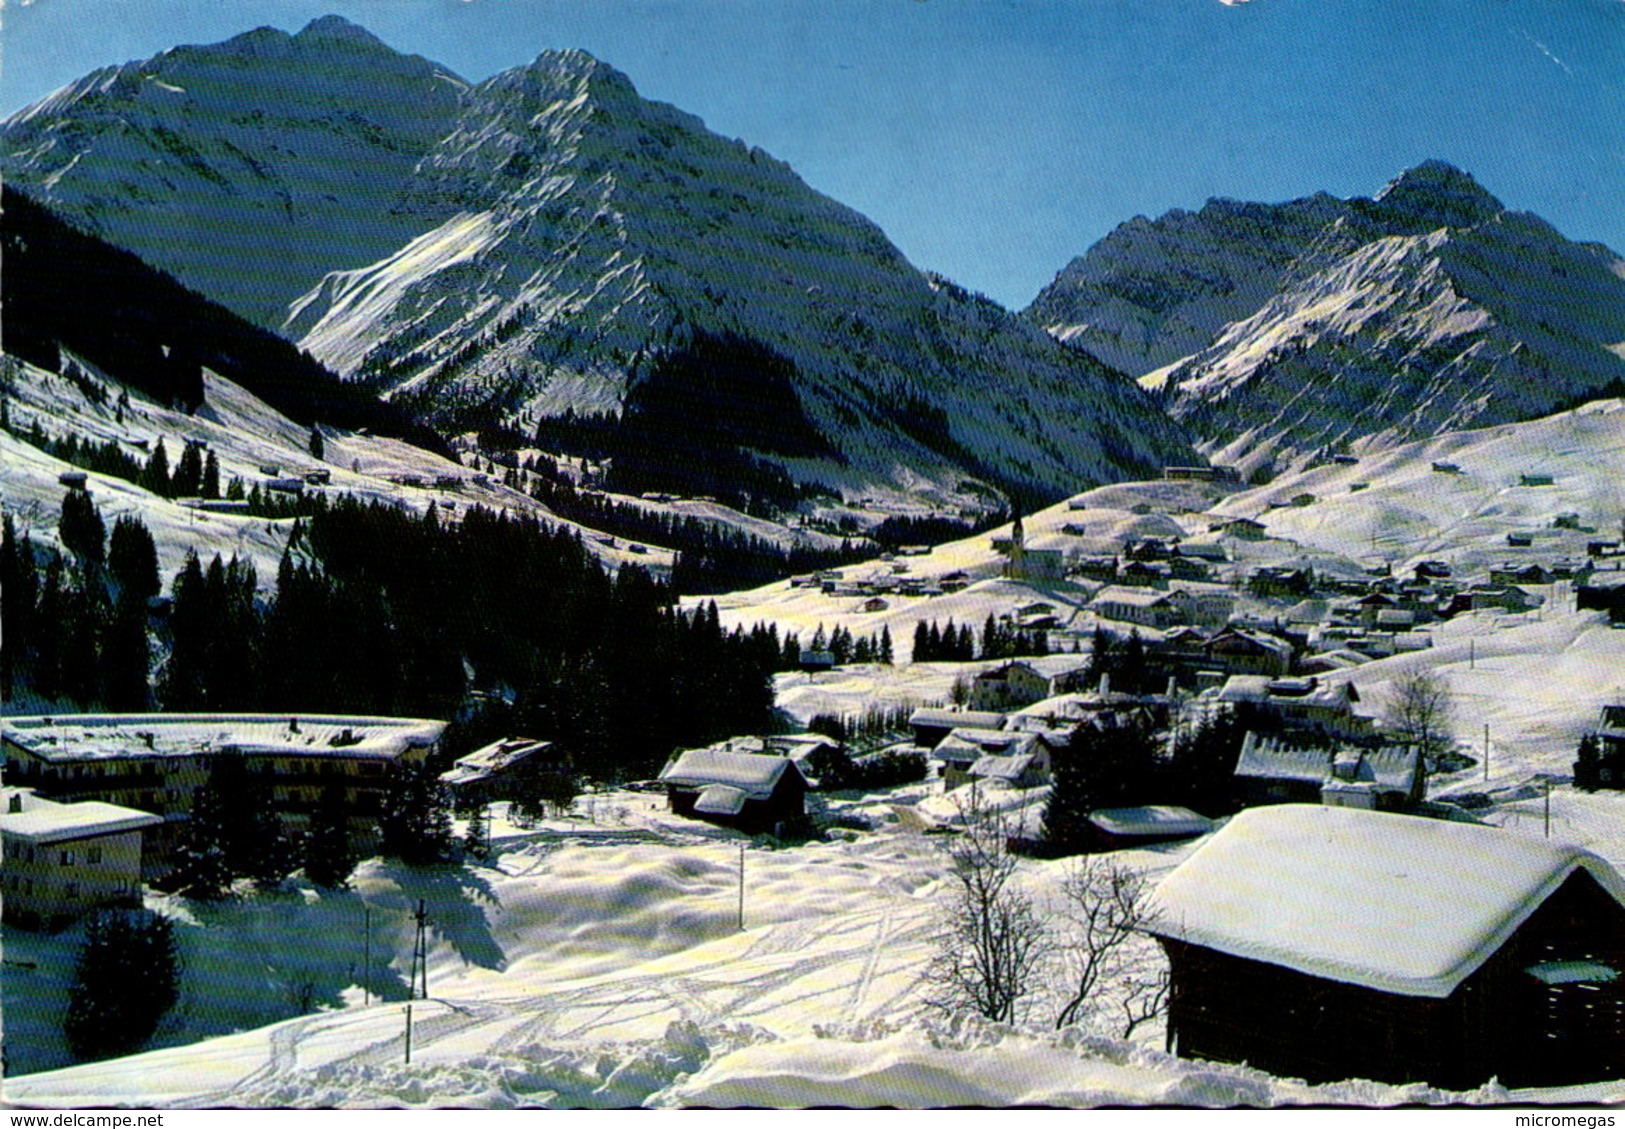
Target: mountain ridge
x=1428, y=306
x=526, y=246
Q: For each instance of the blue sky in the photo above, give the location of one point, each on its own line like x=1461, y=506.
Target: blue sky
x=995, y=139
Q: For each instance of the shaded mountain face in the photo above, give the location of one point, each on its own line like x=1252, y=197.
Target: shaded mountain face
x=68, y=291
x=1281, y=330
x=530, y=246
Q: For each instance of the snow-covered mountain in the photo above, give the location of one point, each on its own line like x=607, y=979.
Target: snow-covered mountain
x=525, y=246
x=1285, y=329
x=247, y=169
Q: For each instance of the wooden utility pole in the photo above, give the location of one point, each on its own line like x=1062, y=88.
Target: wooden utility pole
x=1548, y=784
x=366, y=954
x=409, y=1034
x=420, y=953
x=741, y=887
x=1486, y=753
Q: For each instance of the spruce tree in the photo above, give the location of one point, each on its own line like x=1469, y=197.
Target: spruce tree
x=126, y=656
x=415, y=822
x=19, y=588
x=201, y=869
x=156, y=475
x=211, y=477
x=318, y=447
x=80, y=528
x=328, y=857
x=48, y=642
x=126, y=976
x=132, y=558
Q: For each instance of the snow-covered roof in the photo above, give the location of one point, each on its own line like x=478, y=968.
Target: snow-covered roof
x=1154, y=820
x=1263, y=688
x=46, y=821
x=1390, y=769
x=89, y=737
x=1391, y=902
x=493, y=759
x=991, y=767
x=721, y=799
x=753, y=773
x=1270, y=759
x=954, y=719
x=971, y=744
x=1131, y=597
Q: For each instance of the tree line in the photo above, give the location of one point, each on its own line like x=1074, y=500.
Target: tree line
x=375, y=610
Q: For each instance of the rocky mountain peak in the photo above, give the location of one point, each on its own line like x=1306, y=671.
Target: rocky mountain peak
x=1438, y=194
x=337, y=29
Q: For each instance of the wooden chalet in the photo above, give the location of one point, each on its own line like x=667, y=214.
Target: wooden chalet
x=1009, y=686
x=1329, y=943
x=1018, y=756
x=504, y=770
x=750, y=792
x=1270, y=771
x=931, y=725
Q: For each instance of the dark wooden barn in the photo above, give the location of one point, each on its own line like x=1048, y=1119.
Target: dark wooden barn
x=750, y=792
x=1329, y=943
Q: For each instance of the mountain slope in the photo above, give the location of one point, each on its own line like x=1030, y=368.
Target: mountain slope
x=246, y=169
x=68, y=290
x=1431, y=306
x=528, y=247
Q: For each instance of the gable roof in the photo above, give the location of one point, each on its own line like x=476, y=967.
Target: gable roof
x=493, y=759
x=992, y=767
x=752, y=773
x=1391, y=902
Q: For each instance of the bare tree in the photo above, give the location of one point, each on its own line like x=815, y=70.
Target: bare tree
x=992, y=944
x=1419, y=711
x=1104, y=908
x=1146, y=998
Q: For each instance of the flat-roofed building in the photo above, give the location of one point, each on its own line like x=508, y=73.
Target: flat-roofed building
x=157, y=762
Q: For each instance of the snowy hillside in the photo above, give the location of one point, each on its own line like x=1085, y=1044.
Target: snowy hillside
x=1428, y=308
x=601, y=964
x=524, y=247
x=246, y=436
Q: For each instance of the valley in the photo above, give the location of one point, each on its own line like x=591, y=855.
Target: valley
x=514, y=599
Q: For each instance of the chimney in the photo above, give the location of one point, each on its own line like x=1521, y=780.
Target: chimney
x=1105, y=683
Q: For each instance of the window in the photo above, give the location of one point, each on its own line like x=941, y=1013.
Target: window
x=93, y=856
x=67, y=858
x=72, y=890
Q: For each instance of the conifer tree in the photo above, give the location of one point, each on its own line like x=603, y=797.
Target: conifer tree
x=211, y=477
x=126, y=657
x=80, y=528
x=19, y=588
x=132, y=558
x=48, y=642
x=187, y=480
x=156, y=475
x=126, y=976
x=202, y=870
x=415, y=822
x=318, y=448
x=328, y=857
